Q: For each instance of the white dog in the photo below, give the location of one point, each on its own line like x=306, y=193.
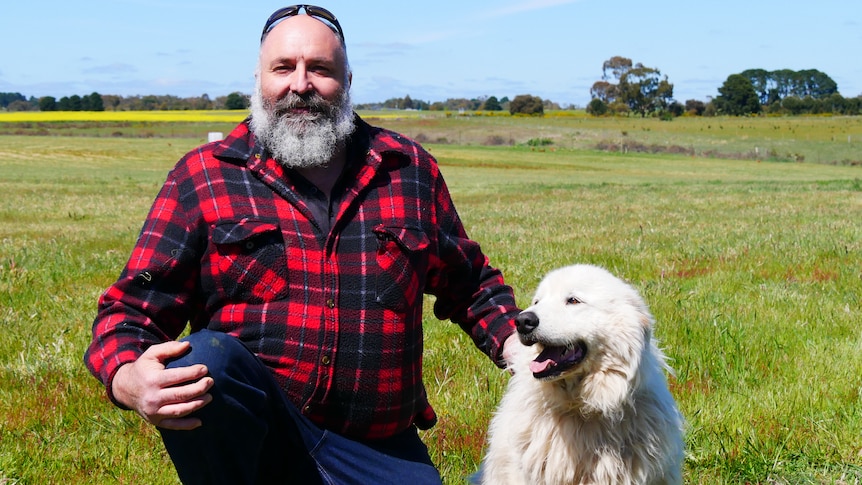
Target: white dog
x=588, y=402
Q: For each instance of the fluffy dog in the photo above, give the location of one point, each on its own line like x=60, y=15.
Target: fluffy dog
x=588, y=402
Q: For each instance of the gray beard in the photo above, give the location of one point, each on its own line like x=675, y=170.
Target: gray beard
x=306, y=140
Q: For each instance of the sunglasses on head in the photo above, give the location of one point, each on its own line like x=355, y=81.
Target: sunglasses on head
x=319, y=13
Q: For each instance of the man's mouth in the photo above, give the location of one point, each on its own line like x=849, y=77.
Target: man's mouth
x=553, y=361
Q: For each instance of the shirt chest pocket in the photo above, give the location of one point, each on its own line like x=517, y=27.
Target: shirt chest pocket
x=249, y=262
x=402, y=258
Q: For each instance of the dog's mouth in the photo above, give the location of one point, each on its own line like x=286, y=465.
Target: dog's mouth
x=553, y=361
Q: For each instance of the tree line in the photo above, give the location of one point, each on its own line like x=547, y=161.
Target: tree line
x=101, y=102
x=521, y=104
x=783, y=91
x=626, y=87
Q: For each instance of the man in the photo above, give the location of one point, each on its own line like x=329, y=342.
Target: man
x=297, y=250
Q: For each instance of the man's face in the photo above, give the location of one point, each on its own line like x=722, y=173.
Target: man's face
x=299, y=55
x=301, y=108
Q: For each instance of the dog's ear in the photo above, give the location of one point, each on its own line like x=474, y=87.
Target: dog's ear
x=604, y=393
x=617, y=374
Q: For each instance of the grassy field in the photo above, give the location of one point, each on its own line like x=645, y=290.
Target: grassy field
x=752, y=267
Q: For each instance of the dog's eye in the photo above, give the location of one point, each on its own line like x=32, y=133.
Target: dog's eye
x=572, y=301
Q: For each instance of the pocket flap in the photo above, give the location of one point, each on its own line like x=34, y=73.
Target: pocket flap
x=409, y=238
x=232, y=232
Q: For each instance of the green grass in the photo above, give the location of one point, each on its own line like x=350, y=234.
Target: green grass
x=753, y=271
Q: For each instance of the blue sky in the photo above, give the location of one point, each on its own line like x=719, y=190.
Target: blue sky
x=430, y=50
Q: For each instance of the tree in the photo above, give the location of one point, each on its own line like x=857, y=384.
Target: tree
x=236, y=100
x=202, y=102
x=675, y=109
x=773, y=86
x=604, y=91
x=617, y=66
x=20, y=105
x=695, y=107
x=644, y=90
x=48, y=103
x=96, y=103
x=92, y=102
x=737, y=97
x=597, y=107
x=492, y=104
x=638, y=88
x=69, y=103
x=811, y=82
x=112, y=100
x=762, y=82
x=407, y=102
x=527, y=104
x=8, y=98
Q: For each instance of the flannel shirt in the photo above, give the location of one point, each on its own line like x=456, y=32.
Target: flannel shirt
x=229, y=245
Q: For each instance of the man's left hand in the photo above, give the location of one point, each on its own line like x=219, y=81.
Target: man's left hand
x=511, y=348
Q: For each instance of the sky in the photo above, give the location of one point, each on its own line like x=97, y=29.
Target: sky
x=430, y=51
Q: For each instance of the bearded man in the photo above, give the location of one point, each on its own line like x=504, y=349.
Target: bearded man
x=296, y=253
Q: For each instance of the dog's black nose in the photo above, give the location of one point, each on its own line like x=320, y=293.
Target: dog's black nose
x=526, y=322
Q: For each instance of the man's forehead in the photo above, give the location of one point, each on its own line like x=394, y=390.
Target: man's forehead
x=302, y=29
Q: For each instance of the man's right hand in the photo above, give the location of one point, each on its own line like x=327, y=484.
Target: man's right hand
x=163, y=397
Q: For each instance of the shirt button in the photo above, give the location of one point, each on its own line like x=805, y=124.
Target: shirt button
x=330, y=303
x=249, y=245
x=306, y=410
x=325, y=360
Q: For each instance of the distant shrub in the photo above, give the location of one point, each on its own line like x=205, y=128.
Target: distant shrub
x=526, y=104
x=539, y=142
x=597, y=107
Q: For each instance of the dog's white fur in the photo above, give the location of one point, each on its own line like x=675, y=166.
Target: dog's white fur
x=609, y=419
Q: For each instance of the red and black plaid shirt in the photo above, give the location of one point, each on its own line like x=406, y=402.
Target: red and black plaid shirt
x=230, y=246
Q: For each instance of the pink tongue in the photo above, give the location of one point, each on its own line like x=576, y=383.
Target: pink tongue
x=537, y=366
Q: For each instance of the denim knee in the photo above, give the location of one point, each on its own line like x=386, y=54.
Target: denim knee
x=216, y=350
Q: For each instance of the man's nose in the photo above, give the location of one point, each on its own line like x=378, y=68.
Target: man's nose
x=300, y=83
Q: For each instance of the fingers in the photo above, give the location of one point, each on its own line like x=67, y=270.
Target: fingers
x=169, y=378
x=511, y=349
x=165, y=407
x=175, y=416
x=167, y=350
x=164, y=397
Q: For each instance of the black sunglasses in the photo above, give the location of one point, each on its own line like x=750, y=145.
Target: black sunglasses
x=319, y=13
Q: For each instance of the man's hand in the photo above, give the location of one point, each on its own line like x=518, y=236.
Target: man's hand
x=163, y=397
x=511, y=347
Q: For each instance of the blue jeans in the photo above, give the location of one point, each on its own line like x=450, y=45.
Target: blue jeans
x=251, y=433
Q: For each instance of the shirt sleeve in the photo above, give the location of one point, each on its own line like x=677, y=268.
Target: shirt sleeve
x=151, y=302
x=469, y=291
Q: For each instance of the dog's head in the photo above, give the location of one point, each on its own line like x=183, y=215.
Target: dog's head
x=590, y=328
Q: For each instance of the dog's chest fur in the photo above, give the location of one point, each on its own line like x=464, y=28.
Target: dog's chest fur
x=606, y=442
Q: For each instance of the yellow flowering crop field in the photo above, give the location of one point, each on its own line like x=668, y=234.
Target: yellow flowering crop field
x=190, y=116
